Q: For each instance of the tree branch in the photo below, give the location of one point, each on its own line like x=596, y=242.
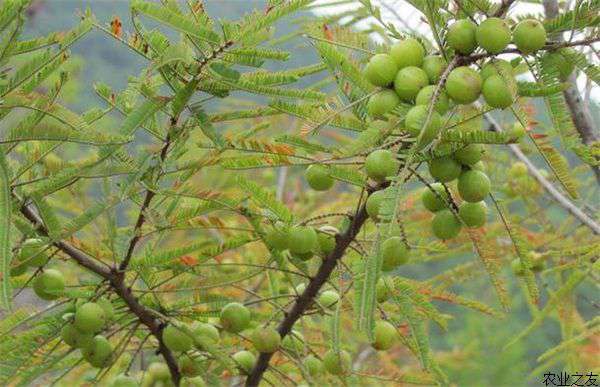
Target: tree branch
x=306, y=298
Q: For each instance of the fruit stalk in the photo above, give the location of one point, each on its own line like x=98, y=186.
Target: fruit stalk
x=312, y=289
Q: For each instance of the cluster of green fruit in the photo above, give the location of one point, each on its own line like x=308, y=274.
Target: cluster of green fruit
x=303, y=242
x=85, y=320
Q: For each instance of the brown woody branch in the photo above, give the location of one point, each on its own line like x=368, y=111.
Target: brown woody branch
x=304, y=301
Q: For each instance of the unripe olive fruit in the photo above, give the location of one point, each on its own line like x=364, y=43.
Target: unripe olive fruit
x=473, y=214
x=303, y=240
x=381, y=103
x=381, y=164
x=409, y=81
x=278, y=237
x=434, y=66
x=394, y=253
x=235, y=317
x=444, y=169
x=497, y=93
x=176, y=339
x=517, y=267
x=374, y=203
x=245, y=361
x=385, y=335
x=463, y=85
x=425, y=96
x=318, y=178
x=415, y=120
x=74, y=338
x=265, y=339
x=434, y=202
x=32, y=253
x=445, y=225
x=558, y=61
x=189, y=366
x=461, y=36
x=89, y=318
x=473, y=186
x=329, y=298
x=381, y=70
x=469, y=154
x=337, y=363
x=529, y=36
x=313, y=365
x=99, y=353
x=205, y=331
x=106, y=305
x=49, y=285
x=293, y=342
x=159, y=371
x=493, y=34
x=384, y=289
x=123, y=380
x=496, y=67
x=407, y=52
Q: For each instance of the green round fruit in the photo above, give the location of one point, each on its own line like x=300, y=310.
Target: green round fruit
x=557, y=60
x=381, y=70
x=49, y=285
x=461, y=36
x=337, y=363
x=303, y=240
x=374, y=203
x=278, y=237
x=496, y=67
x=537, y=263
x=473, y=186
x=517, y=267
x=304, y=256
x=415, y=120
x=109, y=310
x=32, y=253
x=470, y=154
x=426, y=95
x=381, y=164
x=159, y=371
x=190, y=367
x=517, y=131
x=176, y=339
x=529, y=36
x=123, y=380
x=196, y=381
x=313, y=365
x=205, y=332
x=318, y=178
x=384, y=289
x=434, y=66
x=493, y=35
x=265, y=339
x=385, y=335
x=409, y=81
x=99, y=354
x=473, y=214
x=235, y=317
x=444, y=169
x=517, y=170
x=496, y=92
x=434, y=202
x=381, y=103
x=394, y=253
x=18, y=270
x=245, y=361
x=407, y=52
x=463, y=85
x=73, y=338
x=445, y=225
x=326, y=243
x=293, y=342
x=329, y=298
x=90, y=318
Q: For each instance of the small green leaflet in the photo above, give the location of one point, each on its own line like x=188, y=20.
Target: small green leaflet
x=5, y=215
